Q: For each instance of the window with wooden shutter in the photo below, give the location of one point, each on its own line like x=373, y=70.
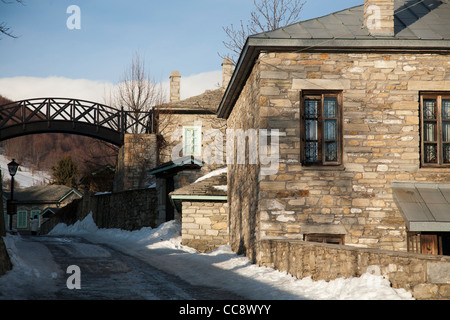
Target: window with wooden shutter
x=437, y=243
x=192, y=141
x=22, y=219
x=321, y=128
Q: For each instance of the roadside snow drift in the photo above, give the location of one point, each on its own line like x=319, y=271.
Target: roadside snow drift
x=162, y=248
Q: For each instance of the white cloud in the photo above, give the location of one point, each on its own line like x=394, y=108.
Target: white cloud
x=21, y=88
x=198, y=83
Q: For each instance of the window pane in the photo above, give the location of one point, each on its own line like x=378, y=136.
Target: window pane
x=445, y=109
x=429, y=109
x=331, y=151
x=429, y=132
x=330, y=107
x=446, y=131
x=311, y=107
x=330, y=129
x=430, y=155
x=311, y=129
x=446, y=153
x=312, y=152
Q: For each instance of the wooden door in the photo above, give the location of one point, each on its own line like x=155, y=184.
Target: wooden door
x=429, y=243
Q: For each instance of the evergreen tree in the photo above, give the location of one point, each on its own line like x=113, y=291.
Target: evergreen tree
x=65, y=172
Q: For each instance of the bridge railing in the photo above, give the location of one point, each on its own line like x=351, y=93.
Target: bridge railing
x=76, y=111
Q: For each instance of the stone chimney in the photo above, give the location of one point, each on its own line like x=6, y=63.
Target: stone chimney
x=175, y=79
x=379, y=17
x=227, y=72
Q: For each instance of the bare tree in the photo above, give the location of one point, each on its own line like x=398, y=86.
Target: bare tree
x=138, y=93
x=268, y=15
x=4, y=29
x=142, y=97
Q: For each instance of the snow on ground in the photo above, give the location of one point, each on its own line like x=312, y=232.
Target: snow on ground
x=24, y=176
x=162, y=247
x=32, y=263
x=222, y=268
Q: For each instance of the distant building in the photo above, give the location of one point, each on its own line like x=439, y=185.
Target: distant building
x=38, y=200
x=188, y=126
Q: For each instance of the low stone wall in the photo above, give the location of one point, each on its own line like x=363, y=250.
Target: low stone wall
x=128, y=210
x=426, y=276
x=204, y=225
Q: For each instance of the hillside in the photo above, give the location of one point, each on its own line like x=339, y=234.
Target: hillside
x=25, y=177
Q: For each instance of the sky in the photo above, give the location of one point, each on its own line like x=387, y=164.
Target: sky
x=51, y=58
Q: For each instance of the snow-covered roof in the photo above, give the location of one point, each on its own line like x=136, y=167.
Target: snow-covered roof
x=212, y=184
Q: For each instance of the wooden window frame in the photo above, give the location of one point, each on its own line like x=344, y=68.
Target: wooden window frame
x=426, y=242
x=438, y=96
x=322, y=162
x=338, y=239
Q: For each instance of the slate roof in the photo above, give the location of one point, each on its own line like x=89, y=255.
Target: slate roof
x=171, y=167
x=207, y=102
x=413, y=19
x=42, y=194
x=418, y=25
x=424, y=206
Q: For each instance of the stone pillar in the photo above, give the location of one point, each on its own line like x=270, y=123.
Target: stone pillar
x=175, y=79
x=137, y=157
x=379, y=17
x=227, y=72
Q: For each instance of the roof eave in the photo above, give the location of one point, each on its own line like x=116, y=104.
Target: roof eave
x=255, y=45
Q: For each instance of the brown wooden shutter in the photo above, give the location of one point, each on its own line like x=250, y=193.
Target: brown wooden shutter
x=429, y=243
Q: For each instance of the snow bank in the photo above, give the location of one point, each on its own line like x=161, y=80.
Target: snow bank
x=223, y=268
x=32, y=264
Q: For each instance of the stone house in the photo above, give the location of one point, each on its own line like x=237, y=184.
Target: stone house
x=204, y=222
x=188, y=128
x=361, y=102
x=40, y=201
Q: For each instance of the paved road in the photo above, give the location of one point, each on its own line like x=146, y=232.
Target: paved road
x=109, y=274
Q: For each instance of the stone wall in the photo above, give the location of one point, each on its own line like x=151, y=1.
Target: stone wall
x=243, y=180
x=171, y=125
x=381, y=145
x=136, y=158
x=426, y=276
x=128, y=210
x=204, y=225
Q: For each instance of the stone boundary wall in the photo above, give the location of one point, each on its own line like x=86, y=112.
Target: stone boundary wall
x=128, y=210
x=136, y=158
x=204, y=225
x=426, y=276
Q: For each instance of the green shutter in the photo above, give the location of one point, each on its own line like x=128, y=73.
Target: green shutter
x=22, y=219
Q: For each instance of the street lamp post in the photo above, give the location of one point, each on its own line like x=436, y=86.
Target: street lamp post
x=12, y=168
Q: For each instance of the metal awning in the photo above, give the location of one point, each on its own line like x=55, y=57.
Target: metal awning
x=424, y=206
